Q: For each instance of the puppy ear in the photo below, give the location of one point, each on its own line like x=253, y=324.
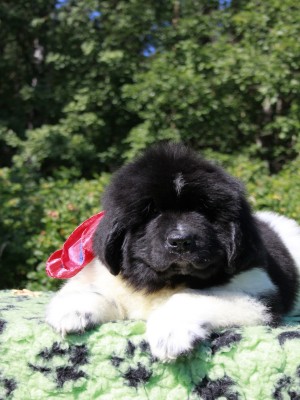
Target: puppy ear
x=107, y=243
x=244, y=246
x=231, y=248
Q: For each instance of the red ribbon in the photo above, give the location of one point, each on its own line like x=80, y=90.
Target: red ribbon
x=77, y=251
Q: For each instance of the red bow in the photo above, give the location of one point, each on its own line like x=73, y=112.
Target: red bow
x=77, y=251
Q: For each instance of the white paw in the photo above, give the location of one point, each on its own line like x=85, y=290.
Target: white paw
x=76, y=312
x=172, y=333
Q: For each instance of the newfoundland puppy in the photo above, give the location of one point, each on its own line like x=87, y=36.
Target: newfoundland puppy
x=179, y=247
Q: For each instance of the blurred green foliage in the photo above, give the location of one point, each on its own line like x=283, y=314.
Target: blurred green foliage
x=86, y=84
x=278, y=193
x=36, y=220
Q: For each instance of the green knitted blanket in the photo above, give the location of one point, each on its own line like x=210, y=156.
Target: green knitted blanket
x=113, y=361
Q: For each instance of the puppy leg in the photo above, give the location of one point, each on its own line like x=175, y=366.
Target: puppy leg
x=189, y=317
x=73, y=310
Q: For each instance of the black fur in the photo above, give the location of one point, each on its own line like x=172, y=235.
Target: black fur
x=281, y=269
x=172, y=217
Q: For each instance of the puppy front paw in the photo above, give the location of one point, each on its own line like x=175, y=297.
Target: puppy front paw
x=172, y=334
x=77, y=312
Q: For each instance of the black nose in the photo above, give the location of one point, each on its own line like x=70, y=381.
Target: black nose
x=180, y=242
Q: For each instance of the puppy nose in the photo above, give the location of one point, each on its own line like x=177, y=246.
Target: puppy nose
x=179, y=242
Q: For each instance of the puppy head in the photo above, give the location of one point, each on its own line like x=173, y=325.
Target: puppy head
x=173, y=217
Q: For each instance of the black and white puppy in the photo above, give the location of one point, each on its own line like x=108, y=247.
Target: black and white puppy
x=179, y=247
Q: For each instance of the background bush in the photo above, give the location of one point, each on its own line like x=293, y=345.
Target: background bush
x=36, y=220
x=86, y=84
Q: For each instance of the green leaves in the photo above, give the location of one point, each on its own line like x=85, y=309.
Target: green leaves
x=219, y=78
x=36, y=220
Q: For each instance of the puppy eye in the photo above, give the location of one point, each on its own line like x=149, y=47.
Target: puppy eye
x=152, y=210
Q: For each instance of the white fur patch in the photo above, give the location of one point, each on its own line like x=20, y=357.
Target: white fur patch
x=179, y=183
x=77, y=311
x=190, y=316
x=256, y=282
x=171, y=332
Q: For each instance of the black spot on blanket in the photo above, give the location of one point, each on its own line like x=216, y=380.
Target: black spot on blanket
x=288, y=335
x=73, y=356
x=282, y=384
x=37, y=320
x=78, y=355
x=286, y=387
x=144, y=346
x=37, y=368
x=68, y=373
x=116, y=361
x=55, y=350
x=21, y=299
x=293, y=395
x=211, y=390
x=130, y=349
x=224, y=339
x=2, y=325
x=8, y=307
x=137, y=376
x=8, y=385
